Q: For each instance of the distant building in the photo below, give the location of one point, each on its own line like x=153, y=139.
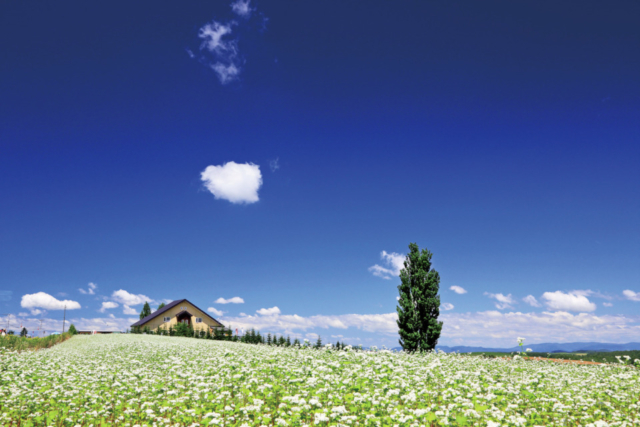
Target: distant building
x=180, y=311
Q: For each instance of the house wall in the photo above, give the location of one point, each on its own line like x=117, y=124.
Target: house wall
x=154, y=323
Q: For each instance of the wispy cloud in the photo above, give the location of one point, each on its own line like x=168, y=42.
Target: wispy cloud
x=631, y=295
x=5, y=295
x=571, y=301
x=458, y=289
x=126, y=298
x=268, y=311
x=234, y=300
x=394, y=263
x=531, y=300
x=91, y=289
x=235, y=182
x=107, y=305
x=274, y=165
x=502, y=301
x=242, y=8
x=46, y=301
x=215, y=311
x=447, y=306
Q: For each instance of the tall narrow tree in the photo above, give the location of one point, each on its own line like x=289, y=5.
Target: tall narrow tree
x=146, y=310
x=419, y=303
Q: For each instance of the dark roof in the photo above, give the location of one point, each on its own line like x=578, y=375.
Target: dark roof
x=169, y=307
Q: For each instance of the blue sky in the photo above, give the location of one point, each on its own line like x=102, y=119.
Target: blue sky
x=279, y=151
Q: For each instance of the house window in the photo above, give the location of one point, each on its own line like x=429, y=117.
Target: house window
x=167, y=319
x=198, y=319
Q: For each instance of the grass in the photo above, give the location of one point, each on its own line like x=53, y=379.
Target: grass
x=14, y=342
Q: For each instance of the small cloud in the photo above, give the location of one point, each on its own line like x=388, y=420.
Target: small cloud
x=447, y=306
x=241, y=8
x=458, y=289
x=128, y=310
x=5, y=295
x=631, y=295
x=23, y=314
x=397, y=298
x=502, y=301
x=394, y=262
x=234, y=300
x=274, y=165
x=46, y=301
x=35, y=311
x=531, y=300
x=235, y=182
x=217, y=40
x=571, y=301
x=215, y=311
x=126, y=298
x=107, y=305
x=91, y=289
x=243, y=314
x=273, y=311
x=607, y=304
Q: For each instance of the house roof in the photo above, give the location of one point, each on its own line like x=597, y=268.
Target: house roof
x=169, y=307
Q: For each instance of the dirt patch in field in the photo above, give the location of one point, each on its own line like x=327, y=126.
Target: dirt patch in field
x=578, y=362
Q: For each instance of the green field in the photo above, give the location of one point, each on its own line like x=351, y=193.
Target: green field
x=138, y=380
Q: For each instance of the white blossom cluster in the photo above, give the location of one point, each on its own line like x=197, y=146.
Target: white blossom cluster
x=142, y=380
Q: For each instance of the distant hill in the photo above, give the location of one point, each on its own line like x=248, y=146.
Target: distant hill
x=570, y=347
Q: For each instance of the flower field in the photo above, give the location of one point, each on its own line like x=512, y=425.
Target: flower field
x=137, y=380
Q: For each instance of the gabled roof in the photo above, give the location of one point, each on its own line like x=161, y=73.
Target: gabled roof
x=167, y=307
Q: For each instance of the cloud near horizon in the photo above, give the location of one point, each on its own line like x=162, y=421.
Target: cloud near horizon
x=235, y=182
x=571, y=301
x=107, y=305
x=46, y=301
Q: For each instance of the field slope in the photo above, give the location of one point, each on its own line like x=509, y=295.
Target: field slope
x=130, y=380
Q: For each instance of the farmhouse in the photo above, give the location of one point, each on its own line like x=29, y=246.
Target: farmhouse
x=179, y=311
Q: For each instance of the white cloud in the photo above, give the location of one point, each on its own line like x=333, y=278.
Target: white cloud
x=218, y=41
x=494, y=328
x=35, y=311
x=107, y=305
x=242, y=8
x=571, y=301
x=46, y=301
x=215, y=311
x=607, y=304
x=235, y=182
x=234, y=300
x=502, y=301
x=394, y=262
x=447, y=306
x=268, y=311
x=531, y=300
x=126, y=298
x=128, y=310
x=630, y=295
x=458, y=289
x=91, y=289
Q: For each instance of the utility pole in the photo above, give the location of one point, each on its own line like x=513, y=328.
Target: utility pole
x=64, y=318
x=40, y=328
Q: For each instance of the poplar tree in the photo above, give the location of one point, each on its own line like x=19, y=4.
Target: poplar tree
x=419, y=304
x=146, y=311
x=72, y=329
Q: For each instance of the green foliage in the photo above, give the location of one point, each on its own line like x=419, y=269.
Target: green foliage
x=21, y=343
x=72, y=329
x=419, y=304
x=318, y=342
x=288, y=341
x=161, y=305
x=24, y=332
x=296, y=342
x=146, y=310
